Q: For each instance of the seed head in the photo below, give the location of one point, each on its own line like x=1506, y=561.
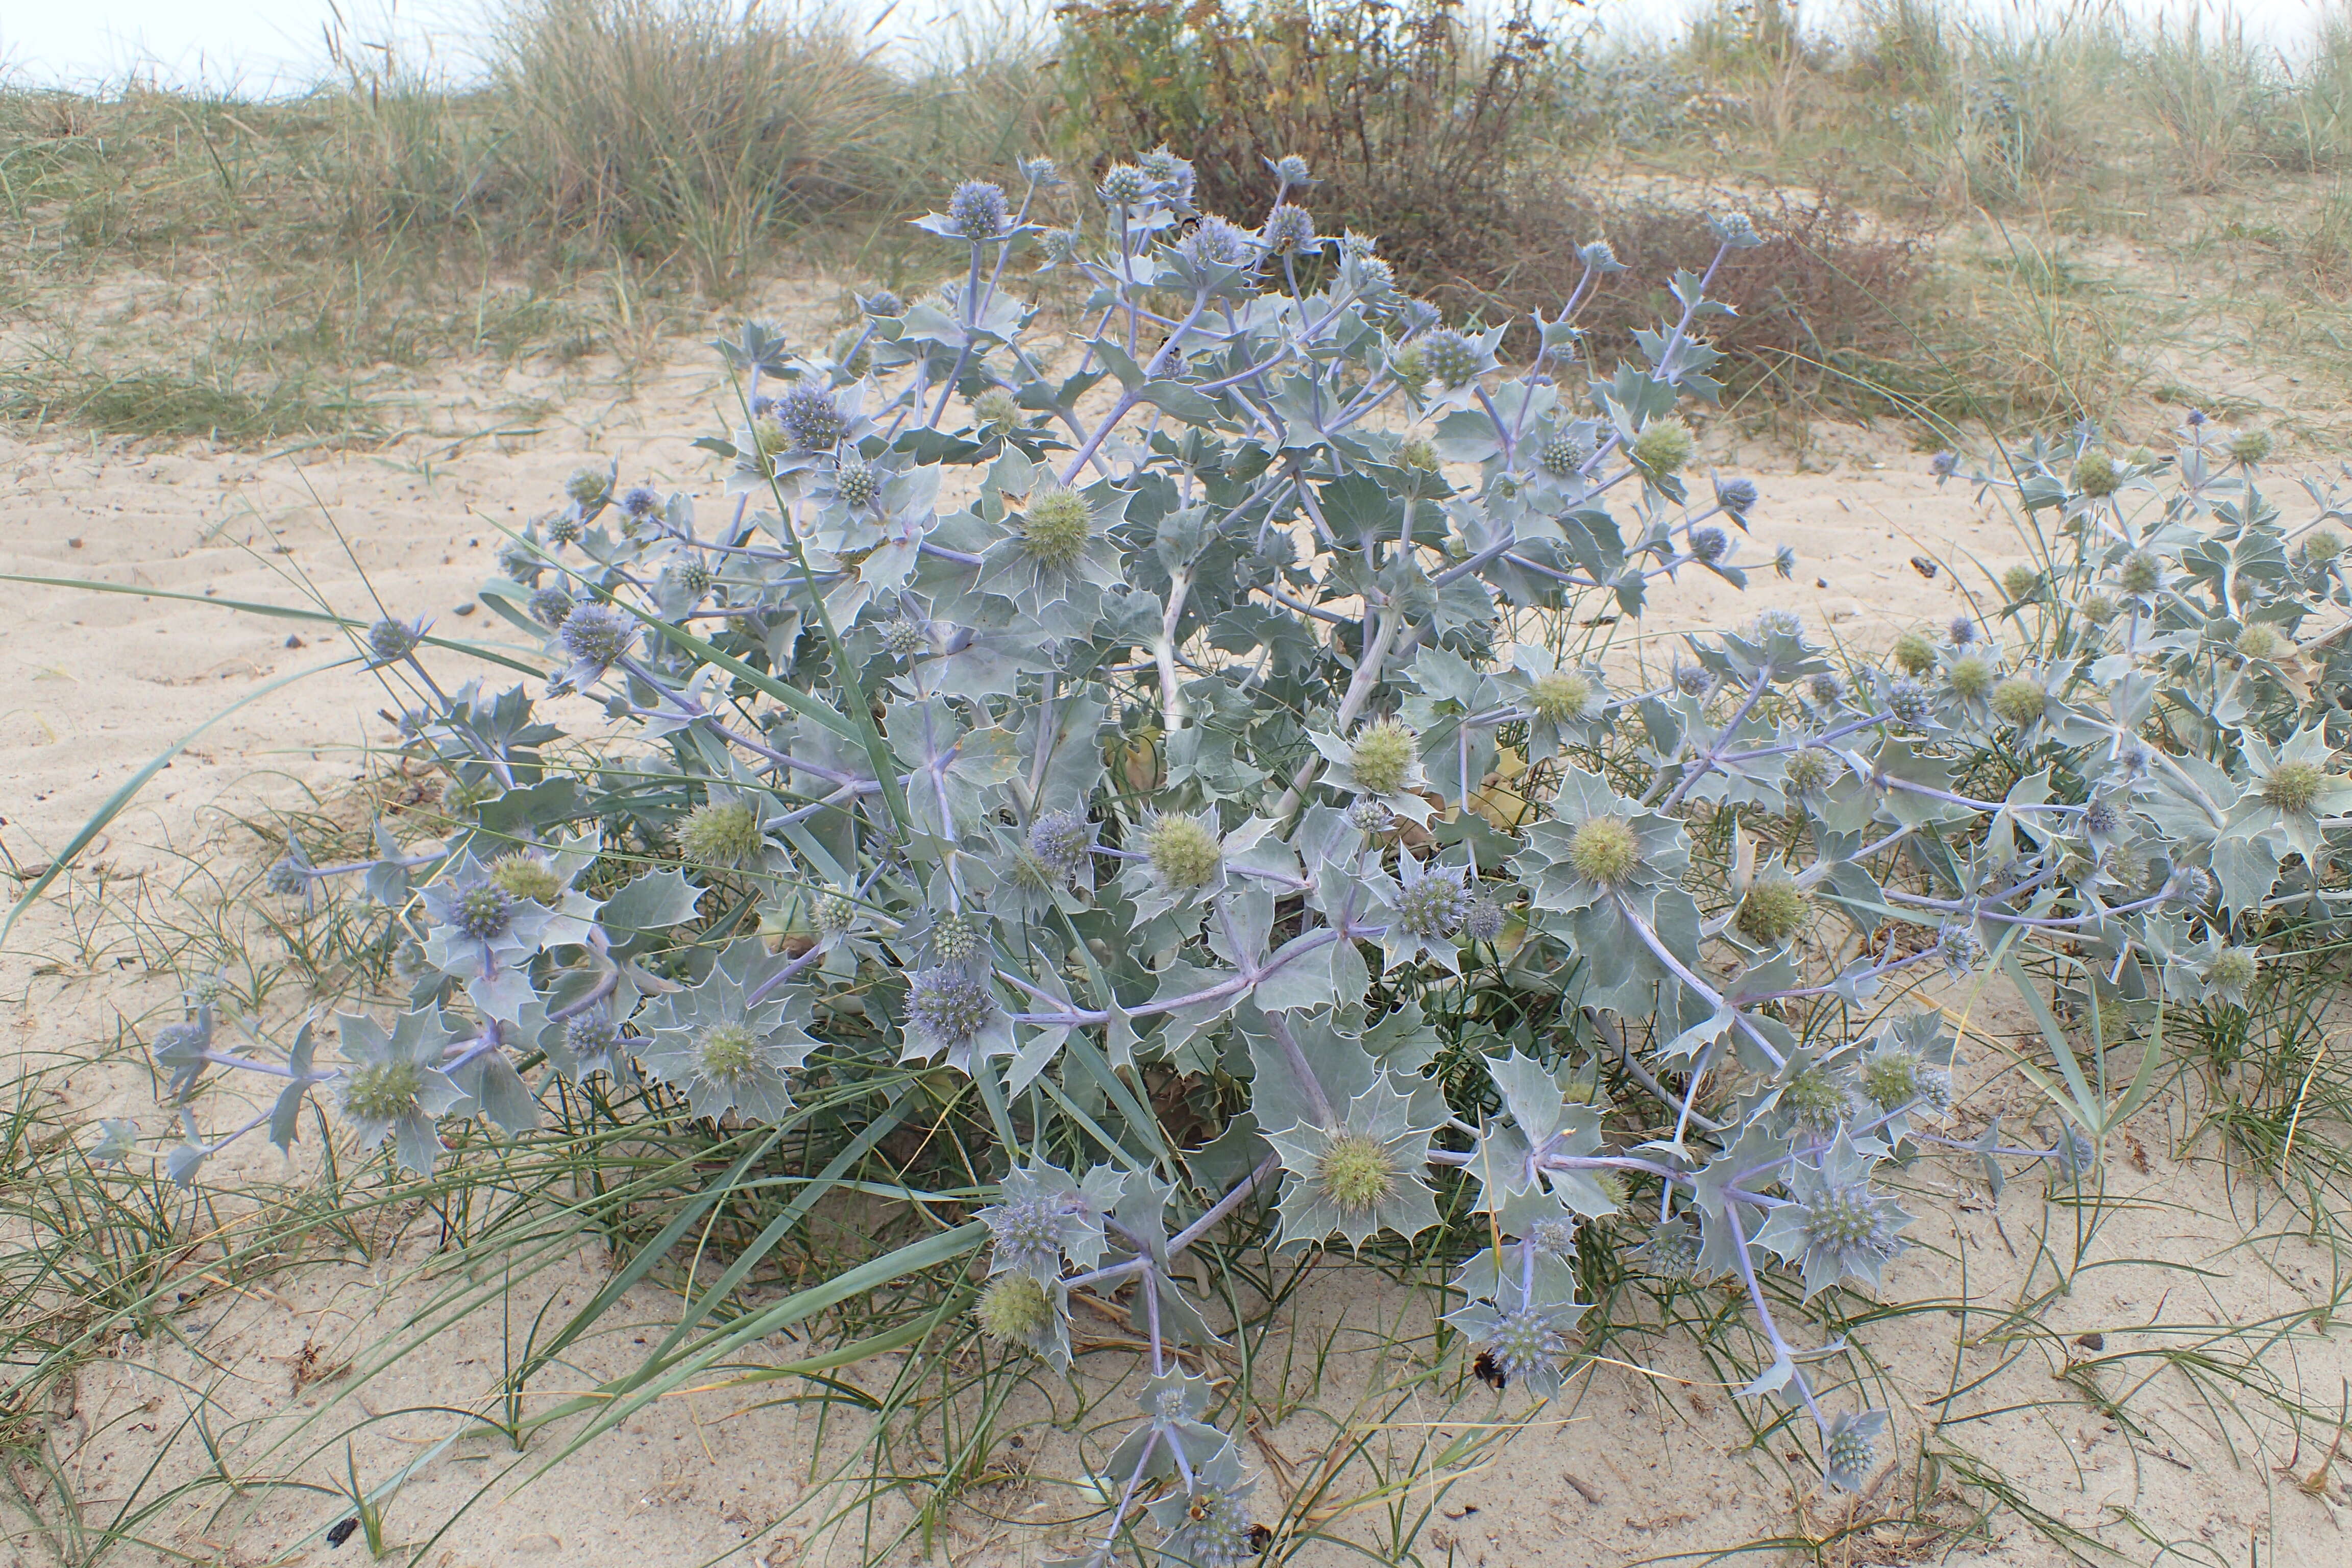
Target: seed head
x=1012, y=1310
x=1604, y=850
x=588, y=486
x=2142, y=573
x=1907, y=700
x=2020, y=583
x=527, y=878
x=1662, y=448
x=2098, y=609
x=1890, y=1076
x=1913, y=654
x=2260, y=640
x=1451, y=361
x=2096, y=475
x=1816, y=1101
x=1810, y=768
x=483, y=915
x=2293, y=787
x=2233, y=968
x=1562, y=694
x=1185, y=852
x=596, y=635
x=996, y=412
x=727, y=1053
x=2324, y=546
x=1772, y=912
x=978, y=209
x=1382, y=756
x=948, y=1006
x=2251, y=447
x=724, y=834
x=389, y=639
x=1356, y=1172
x=1419, y=455
x=2019, y=701
x=1971, y=677
x=381, y=1091
x=1057, y=529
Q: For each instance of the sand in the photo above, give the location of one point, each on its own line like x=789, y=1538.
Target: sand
x=1640, y=1465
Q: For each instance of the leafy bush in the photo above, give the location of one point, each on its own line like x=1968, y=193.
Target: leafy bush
x=1193, y=758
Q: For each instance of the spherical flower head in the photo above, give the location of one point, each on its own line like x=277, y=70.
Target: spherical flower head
x=1431, y=904
x=856, y=483
x=641, y=502
x=1356, y=1172
x=1369, y=814
x=721, y=833
x=1693, y=679
x=812, y=418
x=904, y=638
x=1166, y=169
x=564, y=528
x=590, y=1037
x=1709, y=543
x=2142, y=573
x=831, y=912
x=1012, y=1310
x=2098, y=609
x=483, y=914
x=1026, y=1233
x=1735, y=496
x=287, y=876
x=2324, y=546
x=1736, y=229
x=957, y=938
x=1848, y=1220
x=1123, y=186
x=1483, y=920
x=978, y=209
x=596, y=635
x=1913, y=654
x=1061, y=841
x=1450, y=358
x=1772, y=912
x=1810, y=769
x=2250, y=446
x=726, y=1053
x=1185, y=852
x=1291, y=170
x=1599, y=257
x=1852, y=1451
x=516, y=561
x=1524, y=1342
x=2019, y=701
x=2100, y=817
x=1816, y=1101
x=1662, y=448
x=1289, y=230
x=586, y=486
x=1562, y=694
x=551, y=605
x=1779, y=623
x=2233, y=969
x=1057, y=529
x=1907, y=700
x=1561, y=455
x=1419, y=455
x=995, y=412
x=2260, y=640
x=1959, y=946
x=389, y=639
x=381, y=1091
x=1890, y=1076
x=2293, y=787
x=1382, y=756
x=695, y=577
x=2096, y=475
x=1217, y=242
x=527, y=878
x=948, y=1005
x=1961, y=631
x=1060, y=245
x=1971, y=677
x=1673, y=1250
x=882, y=304
x=2020, y=583
x=1605, y=849
x=1827, y=686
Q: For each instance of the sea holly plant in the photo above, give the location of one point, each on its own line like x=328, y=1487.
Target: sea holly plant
x=1211, y=700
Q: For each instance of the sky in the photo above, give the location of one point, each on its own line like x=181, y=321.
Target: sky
x=267, y=46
